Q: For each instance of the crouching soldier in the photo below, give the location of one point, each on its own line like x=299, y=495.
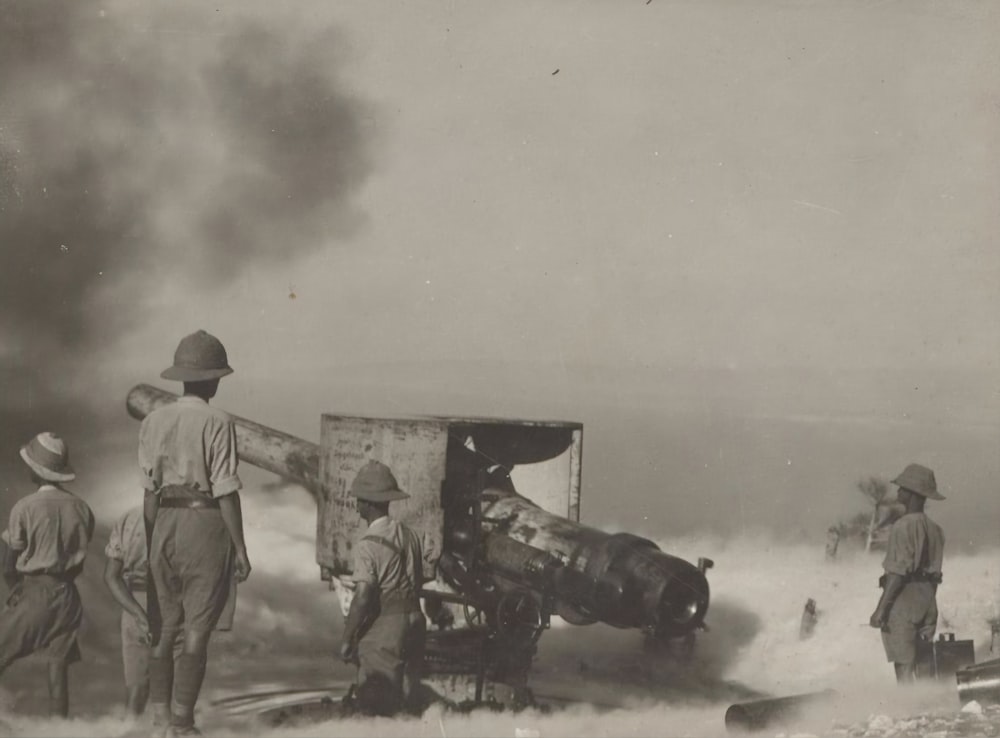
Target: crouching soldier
x=907, y=611
x=385, y=628
x=47, y=540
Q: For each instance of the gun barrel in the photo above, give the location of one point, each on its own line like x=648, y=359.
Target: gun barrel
x=264, y=447
x=619, y=579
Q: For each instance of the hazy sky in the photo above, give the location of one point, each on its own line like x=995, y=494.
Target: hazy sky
x=759, y=233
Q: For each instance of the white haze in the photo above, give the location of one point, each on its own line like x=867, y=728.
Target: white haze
x=288, y=626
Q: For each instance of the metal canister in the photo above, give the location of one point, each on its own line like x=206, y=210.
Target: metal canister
x=979, y=682
x=761, y=714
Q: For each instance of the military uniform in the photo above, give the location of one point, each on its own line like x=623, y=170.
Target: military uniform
x=188, y=463
x=391, y=650
x=127, y=544
x=51, y=529
x=47, y=538
x=907, y=610
x=387, y=627
x=915, y=552
x=187, y=456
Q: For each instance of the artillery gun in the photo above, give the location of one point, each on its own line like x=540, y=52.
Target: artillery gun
x=503, y=557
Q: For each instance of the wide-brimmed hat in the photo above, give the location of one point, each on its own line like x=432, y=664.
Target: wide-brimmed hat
x=48, y=456
x=199, y=357
x=920, y=480
x=375, y=483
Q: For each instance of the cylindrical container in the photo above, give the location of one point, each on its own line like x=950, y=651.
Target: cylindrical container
x=979, y=682
x=761, y=714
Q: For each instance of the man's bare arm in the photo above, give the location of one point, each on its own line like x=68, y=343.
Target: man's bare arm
x=232, y=516
x=360, y=615
x=10, y=573
x=893, y=586
x=121, y=593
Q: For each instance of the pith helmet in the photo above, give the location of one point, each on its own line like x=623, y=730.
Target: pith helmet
x=198, y=357
x=48, y=456
x=375, y=483
x=919, y=479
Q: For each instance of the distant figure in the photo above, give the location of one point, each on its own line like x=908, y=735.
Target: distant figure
x=385, y=628
x=194, y=526
x=809, y=618
x=47, y=540
x=907, y=611
x=832, y=543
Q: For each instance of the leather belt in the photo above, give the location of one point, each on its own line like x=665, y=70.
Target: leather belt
x=191, y=503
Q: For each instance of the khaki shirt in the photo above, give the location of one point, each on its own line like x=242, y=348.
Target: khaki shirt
x=396, y=569
x=916, y=544
x=52, y=529
x=189, y=443
x=127, y=544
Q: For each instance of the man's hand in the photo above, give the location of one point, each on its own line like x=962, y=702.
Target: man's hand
x=927, y=633
x=878, y=619
x=242, y=565
x=349, y=652
x=142, y=620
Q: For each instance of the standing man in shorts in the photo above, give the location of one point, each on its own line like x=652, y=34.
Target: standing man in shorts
x=47, y=539
x=907, y=611
x=126, y=574
x=194, y=525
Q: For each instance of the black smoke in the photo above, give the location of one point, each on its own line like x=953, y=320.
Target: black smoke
x=148, y=144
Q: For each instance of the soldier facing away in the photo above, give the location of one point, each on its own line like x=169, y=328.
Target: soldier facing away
x=47, y=539
x=907, y=611
x=194, y=526
x=385, y=627
x=126, y=574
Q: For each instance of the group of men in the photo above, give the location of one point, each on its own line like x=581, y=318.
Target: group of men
x=173, y=563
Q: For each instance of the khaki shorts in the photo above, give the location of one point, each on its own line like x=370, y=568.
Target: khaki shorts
x=41, y=617
x=191, y=564
x=914, y=609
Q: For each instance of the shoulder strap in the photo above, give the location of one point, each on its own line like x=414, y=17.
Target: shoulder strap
x=385, y=542
x=402, y=553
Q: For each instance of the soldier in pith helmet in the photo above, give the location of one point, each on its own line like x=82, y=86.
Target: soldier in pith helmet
x=385, y=628
x=194, y=524
x=907, y=611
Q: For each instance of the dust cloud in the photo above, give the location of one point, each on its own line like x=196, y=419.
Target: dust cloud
x=605, y=682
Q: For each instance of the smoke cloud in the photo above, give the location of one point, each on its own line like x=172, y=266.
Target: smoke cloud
x=142, y=146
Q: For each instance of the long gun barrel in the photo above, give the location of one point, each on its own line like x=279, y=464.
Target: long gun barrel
x=266, y=448
x=620, y=579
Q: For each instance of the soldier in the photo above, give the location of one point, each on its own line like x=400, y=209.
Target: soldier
x=194, y=526
x=47, y=540
x=907, y=611
x=126, y=574
x=385, y=628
